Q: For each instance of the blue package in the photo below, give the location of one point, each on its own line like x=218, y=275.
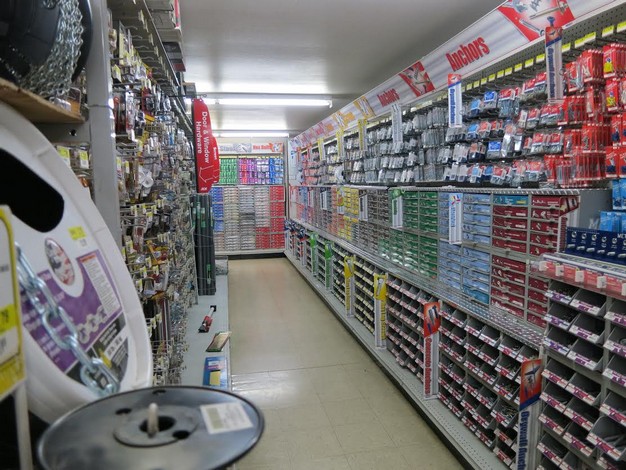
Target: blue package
x=609, y=222
x=622, y=193
x=621, y=224
x=617, y=194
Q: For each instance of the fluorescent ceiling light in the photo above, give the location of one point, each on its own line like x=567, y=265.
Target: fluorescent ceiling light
x=274, y=102
x=252, y=134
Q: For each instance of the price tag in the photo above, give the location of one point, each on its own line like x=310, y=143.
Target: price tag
x=476, y=83
x=500, y=74
x=518, y=67
x=529, y=63
x=566, y=47
x=608, y=31
x=508, y=71
x=540, y=58
x=83, y=159
x=64, y=153
x=591, y=37
x=621, y=27
x=492, y=77
x=483, y=81
x=579, y=42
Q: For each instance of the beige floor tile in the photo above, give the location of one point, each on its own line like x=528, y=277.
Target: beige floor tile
x=326, y=404
x=406, y=431
x=359, y=438
x=391, y=405
x=353, y=411
x=337, y=390
x=328, y=373
x=270, y=450
x=252, y=381
x=330, y=463
x=273, y=424
x=379, y=459
x=311, y=444
x=433, y=457
x=303, y=417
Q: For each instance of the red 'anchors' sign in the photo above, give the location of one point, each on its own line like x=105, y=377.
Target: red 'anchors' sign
x=207, y=151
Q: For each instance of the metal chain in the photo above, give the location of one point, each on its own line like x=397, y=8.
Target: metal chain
x=47, y=308
x=52, y=79
x=49, y=3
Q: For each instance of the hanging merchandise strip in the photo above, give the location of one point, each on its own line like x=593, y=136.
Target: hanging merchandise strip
x=152, y=52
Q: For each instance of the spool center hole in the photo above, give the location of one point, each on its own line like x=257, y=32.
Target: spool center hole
x=165, y=423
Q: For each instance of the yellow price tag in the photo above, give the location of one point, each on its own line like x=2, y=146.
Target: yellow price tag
x=579, y=42
x=64, y=153
x=83, y=159
x=468, y=87
x=483, y=81
x=76, y=233
x=529, y=63
x=591, y=37
x=476, y=83
x=621, y=27
x=518, y=67
x=500, y=74
x=540, y=58
x=508, y=71
x=566, y=47
x=492, y=77
x=608, y=31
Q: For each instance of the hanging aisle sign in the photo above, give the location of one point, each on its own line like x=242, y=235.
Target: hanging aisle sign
x=432, y=322
x=206, y=148
x=529, y=410
x=380, y=310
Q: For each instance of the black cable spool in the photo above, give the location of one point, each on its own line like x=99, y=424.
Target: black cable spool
x=28, y=30
x=114, y=432
x=27, y=33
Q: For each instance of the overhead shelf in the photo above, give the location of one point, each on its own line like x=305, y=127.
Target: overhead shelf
x=35, y=108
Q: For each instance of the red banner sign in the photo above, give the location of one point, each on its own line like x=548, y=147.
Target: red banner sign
x=207, y=150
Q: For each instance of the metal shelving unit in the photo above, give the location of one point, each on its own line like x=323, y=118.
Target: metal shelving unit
x=584, y=378
x=462, y=441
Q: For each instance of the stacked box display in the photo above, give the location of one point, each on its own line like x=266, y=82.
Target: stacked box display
x=228, y=171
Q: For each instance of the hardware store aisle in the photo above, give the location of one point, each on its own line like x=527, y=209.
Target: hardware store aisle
x=326, y=403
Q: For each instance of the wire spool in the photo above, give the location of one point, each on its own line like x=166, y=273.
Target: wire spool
x=44, y=44
x=100, y=344
x=175, y=427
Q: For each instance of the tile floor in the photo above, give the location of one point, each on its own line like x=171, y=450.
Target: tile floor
x=326, y=404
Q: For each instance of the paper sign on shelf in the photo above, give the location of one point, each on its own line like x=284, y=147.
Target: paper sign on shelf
x=455, y=100
x=529, y=410
x=432, y=322
x=12, y=367
x=348, y=275
x=380, y=310
x=554, y=62
x=455, y=218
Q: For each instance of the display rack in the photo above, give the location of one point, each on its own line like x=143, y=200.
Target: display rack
x=585, y=375
x=465, y=446
x=479, y=359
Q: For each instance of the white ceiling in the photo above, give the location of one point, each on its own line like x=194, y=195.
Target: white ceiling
x=341, y=48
